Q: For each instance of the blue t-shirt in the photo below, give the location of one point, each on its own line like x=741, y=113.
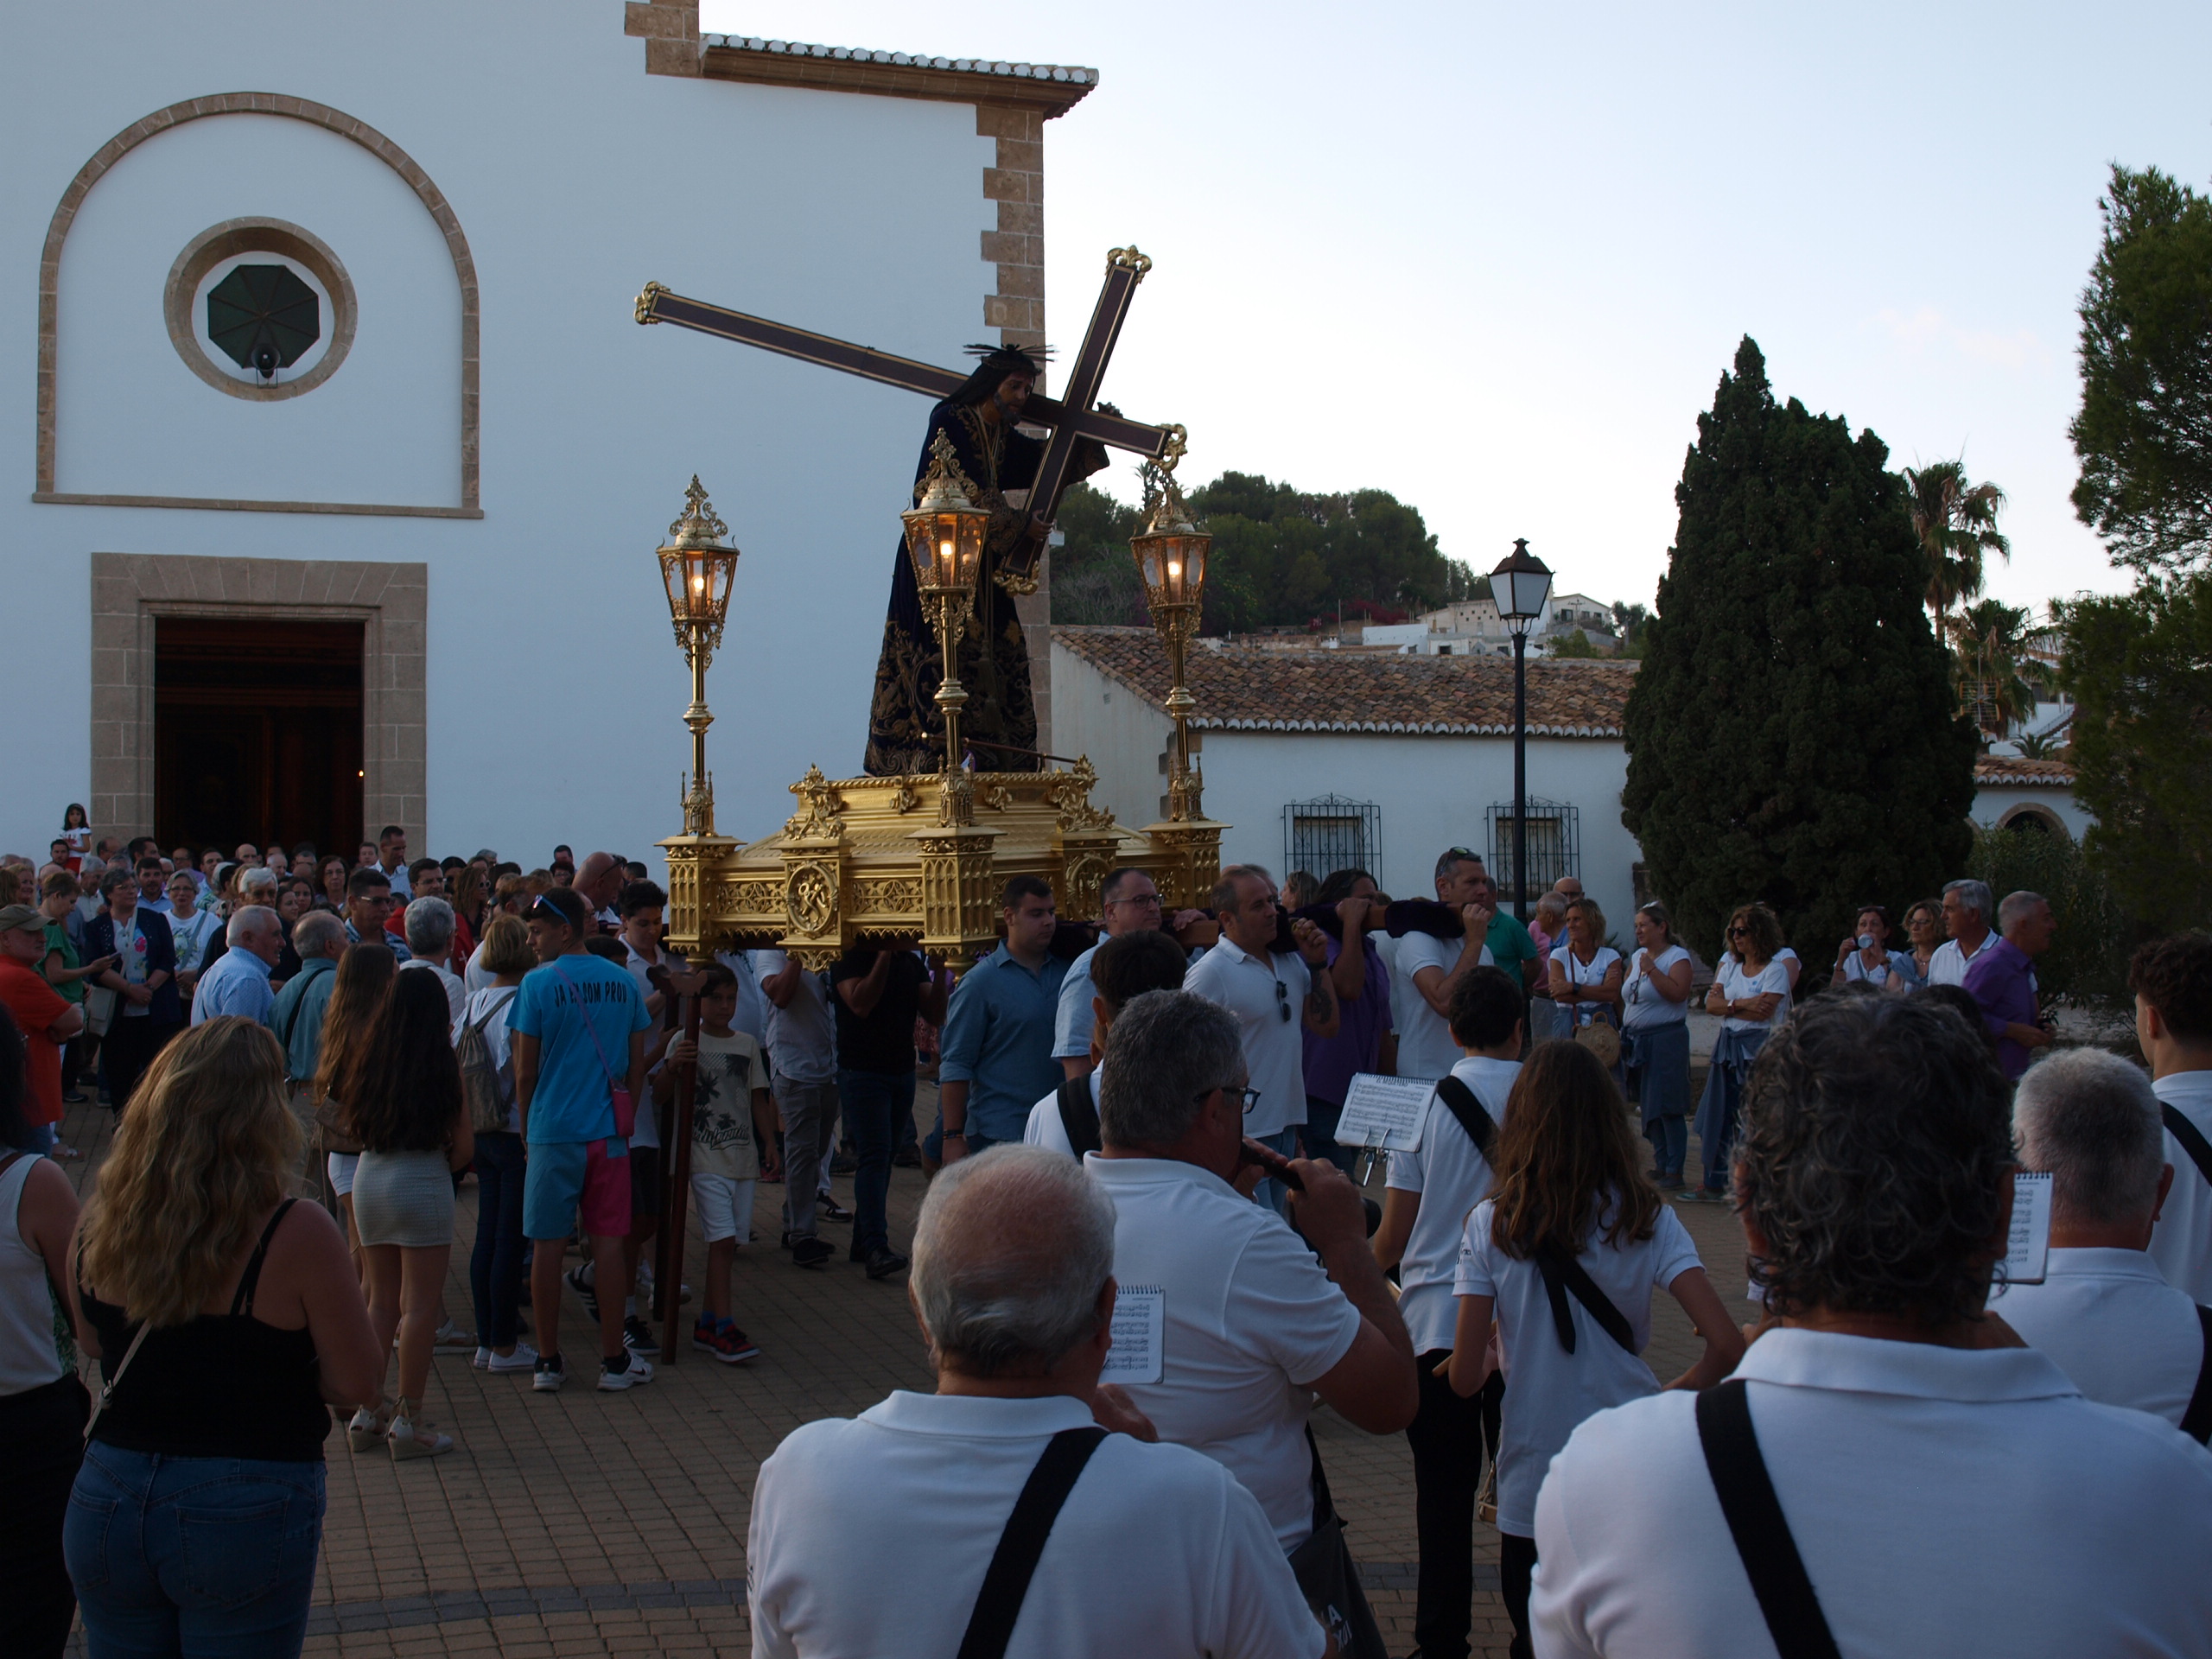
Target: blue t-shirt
x=573, y=1100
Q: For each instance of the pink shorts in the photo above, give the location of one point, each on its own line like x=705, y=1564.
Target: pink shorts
x=568, y=1180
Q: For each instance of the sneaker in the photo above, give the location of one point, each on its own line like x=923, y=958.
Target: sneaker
x=829, y=1210
x=845, y=1164
x=1701, y=1195
x=548, y=1374
x=1668, y=1183
x=738, y=1345
x=408, y=1441
x=635, y=1369
x=524, y=1358
x=451, y=1339
x=811, y=1252
x=637, y=1337
x=482, y=1358
x=578, y=1283
x=883, y=1262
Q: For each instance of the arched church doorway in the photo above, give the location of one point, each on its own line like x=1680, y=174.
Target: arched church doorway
x=257, y=732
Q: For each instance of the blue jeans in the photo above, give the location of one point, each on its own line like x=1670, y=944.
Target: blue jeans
x=495, y=1266
x=1670, y=1142
x=933, y=1142
x=181, y=1557
x=873, y=1103
x=1320, y=1134
x=1271, y=1192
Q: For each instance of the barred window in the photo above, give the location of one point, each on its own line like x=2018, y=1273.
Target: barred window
x=1330, y=834
x=1554, y=848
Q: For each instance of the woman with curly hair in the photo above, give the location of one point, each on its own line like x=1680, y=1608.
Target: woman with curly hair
x=405, y=1098
x=1564, y=1256
x=357, y=991
x=1751, y=991
x=225, y=1316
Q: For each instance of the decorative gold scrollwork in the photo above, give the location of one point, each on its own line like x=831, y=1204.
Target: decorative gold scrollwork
x=1177, y=444
x=1020, y=586
x=998, y=798
x=809, y=900
x=905, y=800
x=1070, y=794
x=819, y=807
x=647, y=295
x=1129, y=259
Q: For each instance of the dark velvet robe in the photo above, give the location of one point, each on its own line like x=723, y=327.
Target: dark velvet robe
x=905, y=733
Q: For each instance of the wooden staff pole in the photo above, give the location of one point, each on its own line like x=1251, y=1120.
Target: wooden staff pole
x=676, y=1164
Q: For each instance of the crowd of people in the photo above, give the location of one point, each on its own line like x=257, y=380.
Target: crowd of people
x=1143, y=1259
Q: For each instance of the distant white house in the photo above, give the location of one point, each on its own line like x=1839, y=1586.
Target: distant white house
x=1472, y=628
x=1322, y=760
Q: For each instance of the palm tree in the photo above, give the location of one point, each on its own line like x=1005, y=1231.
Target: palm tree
x=1990, y=662
x=1957, y=523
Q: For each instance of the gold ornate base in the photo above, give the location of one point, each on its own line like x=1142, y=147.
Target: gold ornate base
x=887, y=861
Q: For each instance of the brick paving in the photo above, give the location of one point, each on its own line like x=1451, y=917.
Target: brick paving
x=584, y=1523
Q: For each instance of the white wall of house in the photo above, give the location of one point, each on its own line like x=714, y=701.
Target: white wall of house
x=1998, y=804
x=555, y=688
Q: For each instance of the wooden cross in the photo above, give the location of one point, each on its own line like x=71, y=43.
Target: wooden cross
x=1069, y=416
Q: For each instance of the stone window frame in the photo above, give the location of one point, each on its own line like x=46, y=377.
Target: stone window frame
x=391, y=601
x=346, y=126
x=249, y=236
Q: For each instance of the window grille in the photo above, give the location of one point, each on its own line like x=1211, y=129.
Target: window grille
x=1331, y=834
x=1554, y=848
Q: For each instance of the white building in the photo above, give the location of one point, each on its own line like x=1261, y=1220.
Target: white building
x=1472, y=628
x=410, y=577
x=1323, y=759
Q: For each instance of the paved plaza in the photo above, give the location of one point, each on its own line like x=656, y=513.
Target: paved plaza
x=584, y=1523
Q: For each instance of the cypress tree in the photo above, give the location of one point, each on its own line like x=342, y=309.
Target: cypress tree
x=1792, y=735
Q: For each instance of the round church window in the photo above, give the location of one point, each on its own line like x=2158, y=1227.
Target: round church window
x=260, y=308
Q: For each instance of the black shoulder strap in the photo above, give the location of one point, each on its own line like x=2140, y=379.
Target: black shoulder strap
x=1562, y=1273
x=1460, y=1102
x=1078, y=1117
x=249, y=1280
x=2191, y=1138
x=2197, y=1421
x=1771, y=1560
x=1022, y=1545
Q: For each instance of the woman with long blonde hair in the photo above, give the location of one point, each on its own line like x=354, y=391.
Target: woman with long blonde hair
x=357, y=991
x=1563, y=1255
x=225, y=1316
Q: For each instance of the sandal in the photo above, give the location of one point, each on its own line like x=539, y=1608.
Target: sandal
x=408, y=1440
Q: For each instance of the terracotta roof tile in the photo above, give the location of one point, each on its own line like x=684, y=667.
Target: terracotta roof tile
x=1243, y=689
x=2014, y=769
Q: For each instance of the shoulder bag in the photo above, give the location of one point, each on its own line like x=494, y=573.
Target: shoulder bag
x=2191, y=1138
x=1761, y=1531
x=2196, y=1421
x=1079, y=1119
x=1022, y=1545
x=1563, y=1275
x=1460, y=1102
x=626, y=1108
x=1329, y=1578
x=1597, y=1034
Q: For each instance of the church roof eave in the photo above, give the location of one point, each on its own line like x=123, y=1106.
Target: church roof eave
x=1050, y=89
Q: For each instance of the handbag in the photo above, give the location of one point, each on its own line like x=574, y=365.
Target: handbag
x=99, y=1009
x=626, y=1108
x=332, y=1128
x=1329, y=1579
x=1597, y=1034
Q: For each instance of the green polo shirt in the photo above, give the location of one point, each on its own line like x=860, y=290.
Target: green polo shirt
x=1509, y=943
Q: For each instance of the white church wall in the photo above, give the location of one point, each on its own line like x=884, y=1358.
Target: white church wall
x=554, y=684
x=1998, y=804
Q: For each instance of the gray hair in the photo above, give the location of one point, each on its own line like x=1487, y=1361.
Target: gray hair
x=249, y=920
x=1974, y=895
x=1165, y=1052
x=2017, y=906
x=1011, y=1248
x=2091, y=1120
x=1451, y=858
x=318, y=933
x=429, y=926
x=257, y=877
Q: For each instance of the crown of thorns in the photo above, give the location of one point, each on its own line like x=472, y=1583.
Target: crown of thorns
x=1034, y=353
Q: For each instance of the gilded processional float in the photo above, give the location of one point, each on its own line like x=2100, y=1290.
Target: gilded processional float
x=922, y=858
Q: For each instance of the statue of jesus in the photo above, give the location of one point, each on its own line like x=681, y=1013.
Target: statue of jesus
x=905, y=733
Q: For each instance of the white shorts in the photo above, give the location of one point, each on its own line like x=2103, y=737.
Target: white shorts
x=342, y=1165
x=724, y=1205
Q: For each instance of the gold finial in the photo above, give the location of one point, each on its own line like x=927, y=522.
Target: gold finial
x=648, y=296
x=1128, y=259
x=944, y=486
x=700, y=526
x=1173, y=450
x=1166, y=511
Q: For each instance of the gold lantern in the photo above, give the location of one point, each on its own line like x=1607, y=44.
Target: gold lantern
x=944, y=538
x=698, y=567
x=1171, y=555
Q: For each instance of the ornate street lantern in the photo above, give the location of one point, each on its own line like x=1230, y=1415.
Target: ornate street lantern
x=1171, y=555
x=945, y=539
x=697, y=567
x=1521, y=586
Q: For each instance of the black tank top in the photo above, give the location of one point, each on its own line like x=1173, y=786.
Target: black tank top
x=221, y=1385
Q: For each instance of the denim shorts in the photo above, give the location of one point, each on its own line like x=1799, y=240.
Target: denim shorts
x=193, y=1555
x=563, y=1177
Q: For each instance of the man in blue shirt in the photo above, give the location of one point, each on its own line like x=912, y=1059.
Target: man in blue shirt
x=578, y=1032
x=239, y=982
x=368, y=902
x=320, y=937
x=995, y=1057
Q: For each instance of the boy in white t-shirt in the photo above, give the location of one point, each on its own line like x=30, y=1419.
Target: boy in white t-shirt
x=733, y=1144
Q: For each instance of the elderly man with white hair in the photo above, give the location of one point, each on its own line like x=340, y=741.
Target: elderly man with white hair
x=1024, y=1526
x=239, y=982
x=429, y=925
x=1968, y=909
x=2104, y=1314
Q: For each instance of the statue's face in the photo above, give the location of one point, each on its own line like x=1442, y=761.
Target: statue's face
x=1013, y=393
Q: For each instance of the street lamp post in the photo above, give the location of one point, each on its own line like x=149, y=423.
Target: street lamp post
x=1521, y=586
x=944, y=541
x=1171, y=555
x=697, y=567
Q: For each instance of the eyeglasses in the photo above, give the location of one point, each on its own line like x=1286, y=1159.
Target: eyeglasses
x=1251, y=1096
x=1282, y=1000
x=1145, y=898
x=1739, y=932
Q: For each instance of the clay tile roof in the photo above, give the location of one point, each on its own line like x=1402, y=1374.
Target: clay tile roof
x=1052, y=88
x=2014, y=769
x=1241, y=689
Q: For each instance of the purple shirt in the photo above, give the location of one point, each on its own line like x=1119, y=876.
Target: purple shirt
x=2002, y=980
x=1331, y=1061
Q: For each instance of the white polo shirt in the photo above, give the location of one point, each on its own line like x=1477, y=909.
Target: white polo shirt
x=1156, y=1552
x=1257, y=990
x=2182, y=1242
x=1451, y=1178
x=1250, y=1322
x=2122, y=1333
x=1548, y=1390
x=802, y=1044
x=1948, y=964
x=1045, y=1129
x=1426, y=1046
x=1072, y=1018
x=1944, y=1500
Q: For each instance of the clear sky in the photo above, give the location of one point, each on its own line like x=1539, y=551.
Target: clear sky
x=1493, y=259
